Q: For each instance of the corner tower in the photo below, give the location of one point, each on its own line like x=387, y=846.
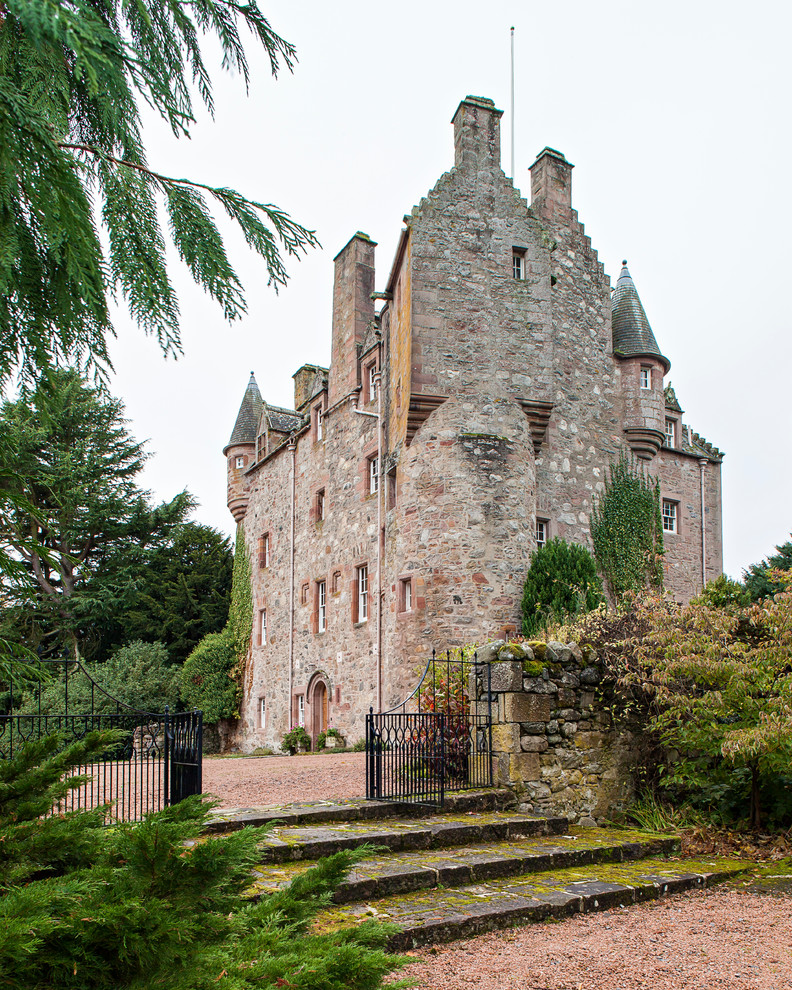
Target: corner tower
x=240, y=451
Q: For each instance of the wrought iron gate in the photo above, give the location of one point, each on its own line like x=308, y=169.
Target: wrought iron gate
x=157, y=763
x=439, y=739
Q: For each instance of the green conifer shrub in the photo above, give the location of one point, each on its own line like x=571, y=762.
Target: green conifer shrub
x=207, y=677
x=562, y=582
x=143, y=906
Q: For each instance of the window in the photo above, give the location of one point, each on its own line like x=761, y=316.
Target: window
x=263, y=627
x=405, y=595
x=264, y=550
x=372, y=382
x=320, y=505
x=541, y=532
x=335, y=583
x=646, y=377
x=262, y=713
x=669, y=516
x=318, y=423
x=670, y=432
x=240, y=462
x=373, y=475
x=362, y=593
x=321, y=605
x=301, y=709
x=304, y=593
x=391, y=499
x=518, y=264
x=261, y=446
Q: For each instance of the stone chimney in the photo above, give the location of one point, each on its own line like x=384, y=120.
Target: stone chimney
x=477, y=133
x=551, y=184
x=304, y=381
x=353, y=310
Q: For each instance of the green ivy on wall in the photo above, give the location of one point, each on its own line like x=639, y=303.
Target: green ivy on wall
x=627, y=529
x=211, y=678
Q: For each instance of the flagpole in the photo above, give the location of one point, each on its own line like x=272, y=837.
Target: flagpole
x=512, y=103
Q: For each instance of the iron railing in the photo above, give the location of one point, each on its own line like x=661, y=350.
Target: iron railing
x=156, y=763
x=438, y=739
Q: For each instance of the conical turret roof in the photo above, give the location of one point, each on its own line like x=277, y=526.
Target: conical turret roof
x=632, y=335
x=248, y=416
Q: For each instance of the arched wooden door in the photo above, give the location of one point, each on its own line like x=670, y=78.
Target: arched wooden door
x=319, y=702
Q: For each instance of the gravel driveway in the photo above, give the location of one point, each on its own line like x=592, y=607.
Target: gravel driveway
x=251, y=781
x=718, y=940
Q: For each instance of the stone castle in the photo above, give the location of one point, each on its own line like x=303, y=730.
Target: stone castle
x=470, y=412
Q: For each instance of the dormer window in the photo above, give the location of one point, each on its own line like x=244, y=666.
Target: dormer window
x=646, y=377
x=518, y=263
x=670, y=433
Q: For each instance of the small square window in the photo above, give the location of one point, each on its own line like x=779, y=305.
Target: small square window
x=321, y=606
x=541, y=532
x=373, y=475
x=301, y=709
x=669, y=516
x=362, y=593
x=646, y=377
x=263, y=627
x=240, y=462
x=405, y=595
x=264, y=550
x=670, y=433
x=518, y=264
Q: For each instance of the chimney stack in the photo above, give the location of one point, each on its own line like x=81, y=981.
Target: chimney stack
x=551, y=184
x=477, y=132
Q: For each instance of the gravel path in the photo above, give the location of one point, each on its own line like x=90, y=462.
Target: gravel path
x=252, y=781
x=714, y=939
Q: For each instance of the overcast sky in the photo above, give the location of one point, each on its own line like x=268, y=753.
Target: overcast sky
x=677, y=118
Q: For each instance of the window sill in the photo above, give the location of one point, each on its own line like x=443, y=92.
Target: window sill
x=359, y=625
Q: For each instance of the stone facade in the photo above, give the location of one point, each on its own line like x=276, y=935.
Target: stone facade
x=553, y=740
x=471, y=407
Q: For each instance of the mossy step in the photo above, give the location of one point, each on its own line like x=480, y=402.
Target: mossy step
x=401, y=872
x=291, y=842
x=357, y=809
x=434, y=916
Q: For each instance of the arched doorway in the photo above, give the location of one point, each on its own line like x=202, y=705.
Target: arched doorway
x=319, y=703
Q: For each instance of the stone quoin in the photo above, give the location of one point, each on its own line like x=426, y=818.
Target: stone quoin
x=471, y=409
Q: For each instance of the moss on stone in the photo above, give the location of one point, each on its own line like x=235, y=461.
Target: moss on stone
x=539, y=649
x=533, y=668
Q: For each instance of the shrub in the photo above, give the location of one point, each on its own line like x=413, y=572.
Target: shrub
x=561, y=583
x=138, y=675
x=207, y=677
x=295, y=738
x=142, y=905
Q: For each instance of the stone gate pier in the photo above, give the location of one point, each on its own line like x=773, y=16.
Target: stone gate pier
x=554, y=740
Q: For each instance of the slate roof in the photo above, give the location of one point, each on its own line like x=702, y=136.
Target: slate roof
x=632, y=335
x=284, y=420
x=693, y=443
x=248, y=416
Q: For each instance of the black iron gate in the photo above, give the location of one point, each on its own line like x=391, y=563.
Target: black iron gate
x=439, y=739
x=157, y=762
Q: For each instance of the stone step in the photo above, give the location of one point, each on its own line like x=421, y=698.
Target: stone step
x=285, y=843
x=442, y=915
x=401, y=872
x=358, y=810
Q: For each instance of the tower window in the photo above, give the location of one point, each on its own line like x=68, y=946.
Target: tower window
x=240, y=462
x=263, y=627
x=646, y=377
x=264, y=550
x=541, y=532
x=321, y=606
x=405, y=595
x=670, y=520
x=262, y=713
x=518, y=264
x=362, y=593
x=373, y=475
x=320, y=505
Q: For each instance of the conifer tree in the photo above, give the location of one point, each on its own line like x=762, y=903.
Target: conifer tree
x=73, y=168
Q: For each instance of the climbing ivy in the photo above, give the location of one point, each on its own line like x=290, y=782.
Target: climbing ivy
x=212, y=675
x=627, y=529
